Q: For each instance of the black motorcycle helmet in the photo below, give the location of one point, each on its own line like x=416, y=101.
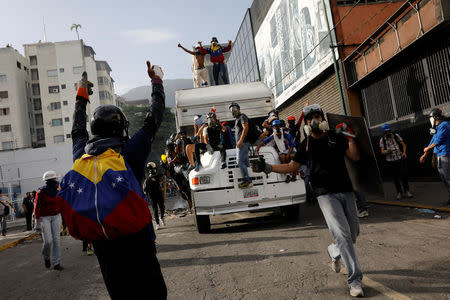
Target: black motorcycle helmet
x=436, y=113
x=109, y=121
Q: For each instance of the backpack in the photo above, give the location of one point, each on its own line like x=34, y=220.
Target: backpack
x=102, y=199
x=253, y=132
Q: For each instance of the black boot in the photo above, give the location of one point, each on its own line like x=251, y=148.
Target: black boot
x=47, y=263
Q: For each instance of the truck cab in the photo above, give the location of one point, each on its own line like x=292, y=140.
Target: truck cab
x=214, y=190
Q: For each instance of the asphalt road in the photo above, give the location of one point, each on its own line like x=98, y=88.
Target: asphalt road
x=404, y=254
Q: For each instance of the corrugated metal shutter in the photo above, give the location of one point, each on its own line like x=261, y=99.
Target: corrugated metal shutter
x=326, y=94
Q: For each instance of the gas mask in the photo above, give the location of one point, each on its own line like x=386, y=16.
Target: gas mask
x=212, y=122
x=277, y=129
x=235, y=111
x=316, y=126
x=214, y=41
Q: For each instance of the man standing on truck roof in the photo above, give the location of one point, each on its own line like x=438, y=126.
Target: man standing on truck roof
x=242, y=144
x=201, y=74
x=324, y=151
x=216, y=55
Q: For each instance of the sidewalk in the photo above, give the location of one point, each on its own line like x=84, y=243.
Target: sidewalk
x=16, y=234
x=431, y=195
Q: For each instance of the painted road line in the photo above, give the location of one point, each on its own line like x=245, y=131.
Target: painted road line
x=384, y=289
x=18, y=241
x=405, y=204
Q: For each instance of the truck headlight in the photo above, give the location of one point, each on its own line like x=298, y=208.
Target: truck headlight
x=204, y=180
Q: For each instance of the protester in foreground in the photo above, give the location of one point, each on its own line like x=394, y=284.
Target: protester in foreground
x=324, y=150
x=394, y=149
x=47, y=210
x=440, y=145
x=5, y=209
x=242, y=144
x=28, y=205
x=103, y=198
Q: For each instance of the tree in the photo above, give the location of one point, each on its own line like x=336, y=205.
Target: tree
x=75, y=26
x=136, y=116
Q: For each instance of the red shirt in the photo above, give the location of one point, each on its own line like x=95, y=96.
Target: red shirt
x=44, y=205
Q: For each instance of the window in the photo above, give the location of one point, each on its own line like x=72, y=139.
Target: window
x=34, y=74
x=7, y=145
x=77, y=70
x=56, y=122
x=40, y=135
x=38, y=119
x=65, y=103
x=66, y=119
x=52, y=73
x=61, y=70
x=63, y=86
x=36, y=89
x=104, y=95
x=5, y=128
x=19, y=65
x=33, y=60
x=4, y=111
x=37, y=105
x=68, y=136
x=3, y=78
x=53, y=89
x=103, y=81
x=3, y=94
x=55, y=105
x=58, y=139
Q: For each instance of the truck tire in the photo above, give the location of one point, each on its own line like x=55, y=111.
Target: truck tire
x=291, y=212
x=203, y=223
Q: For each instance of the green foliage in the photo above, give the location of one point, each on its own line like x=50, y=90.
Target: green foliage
x=136, y=116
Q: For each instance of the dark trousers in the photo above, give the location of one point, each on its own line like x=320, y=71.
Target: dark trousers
x=201, y=148
x=28, y=216
x=158, y=201
x=130, y=268
x=222, y=69
x=443, y=166
x=399, y=173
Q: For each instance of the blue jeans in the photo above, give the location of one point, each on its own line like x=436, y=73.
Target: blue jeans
x=222, y=69
x=51, y=227
x=3, y=221
x=340, y=214
x=360, y=201
x=243, y=161
x=443, y=166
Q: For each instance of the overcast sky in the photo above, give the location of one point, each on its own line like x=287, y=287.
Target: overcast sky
x=126, y=33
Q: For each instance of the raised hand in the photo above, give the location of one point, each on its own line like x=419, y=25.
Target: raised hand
x=179, y=45
x=154, y=72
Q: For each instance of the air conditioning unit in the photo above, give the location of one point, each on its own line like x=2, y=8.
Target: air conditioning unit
x=54, y=91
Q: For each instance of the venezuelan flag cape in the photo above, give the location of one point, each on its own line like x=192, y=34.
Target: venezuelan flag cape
x=102, y=200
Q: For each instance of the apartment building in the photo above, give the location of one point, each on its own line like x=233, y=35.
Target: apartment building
x=55, y=69
x=16, y=123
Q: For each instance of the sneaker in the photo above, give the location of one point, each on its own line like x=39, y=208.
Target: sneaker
x=356, y=290
x=3, y=233
x=190, y=168
x=157, y=227
x=335, y=262
x=409, y=195
x=245, y=185
x=162, y=222
x=58, y=267
x=294, y=177
x=399, y=196
x=363, y=213
x=47, y=263
x=288, y=179
x=89, y=251
x=224, y=165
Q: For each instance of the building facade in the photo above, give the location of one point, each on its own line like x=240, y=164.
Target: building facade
x=55, y=69
x=16, y=124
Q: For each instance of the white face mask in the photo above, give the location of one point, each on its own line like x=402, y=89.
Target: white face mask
x=432, y=121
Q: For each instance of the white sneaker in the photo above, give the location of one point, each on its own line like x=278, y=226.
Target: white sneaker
x=409, y=195
x=162, y=222
x=157, y=227
x=335, y=262
x=399, y=196
x=363, y=213
x=356, y=290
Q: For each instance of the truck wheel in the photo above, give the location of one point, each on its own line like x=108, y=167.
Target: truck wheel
x=203, y=223
x=291, y=212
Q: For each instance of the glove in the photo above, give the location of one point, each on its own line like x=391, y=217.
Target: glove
x=345, y=130
x=84, y=88
x=260, y=165
x=209, y=149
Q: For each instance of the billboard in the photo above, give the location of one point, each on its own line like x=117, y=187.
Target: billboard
x=288, y=45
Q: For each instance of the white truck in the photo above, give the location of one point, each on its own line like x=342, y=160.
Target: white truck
x=214, y=190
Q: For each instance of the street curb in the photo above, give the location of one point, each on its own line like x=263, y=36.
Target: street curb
x=405, y=204
x=18, y=241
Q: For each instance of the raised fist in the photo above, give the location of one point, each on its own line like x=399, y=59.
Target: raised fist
x=154, y=72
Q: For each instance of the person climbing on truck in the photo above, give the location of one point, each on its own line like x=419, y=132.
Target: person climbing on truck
x=217, y=59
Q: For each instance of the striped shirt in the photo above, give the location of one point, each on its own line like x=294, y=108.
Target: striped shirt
x=3, y=201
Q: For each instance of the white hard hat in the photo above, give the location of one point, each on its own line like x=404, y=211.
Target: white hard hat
x=151, y=165
x=49, y=175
